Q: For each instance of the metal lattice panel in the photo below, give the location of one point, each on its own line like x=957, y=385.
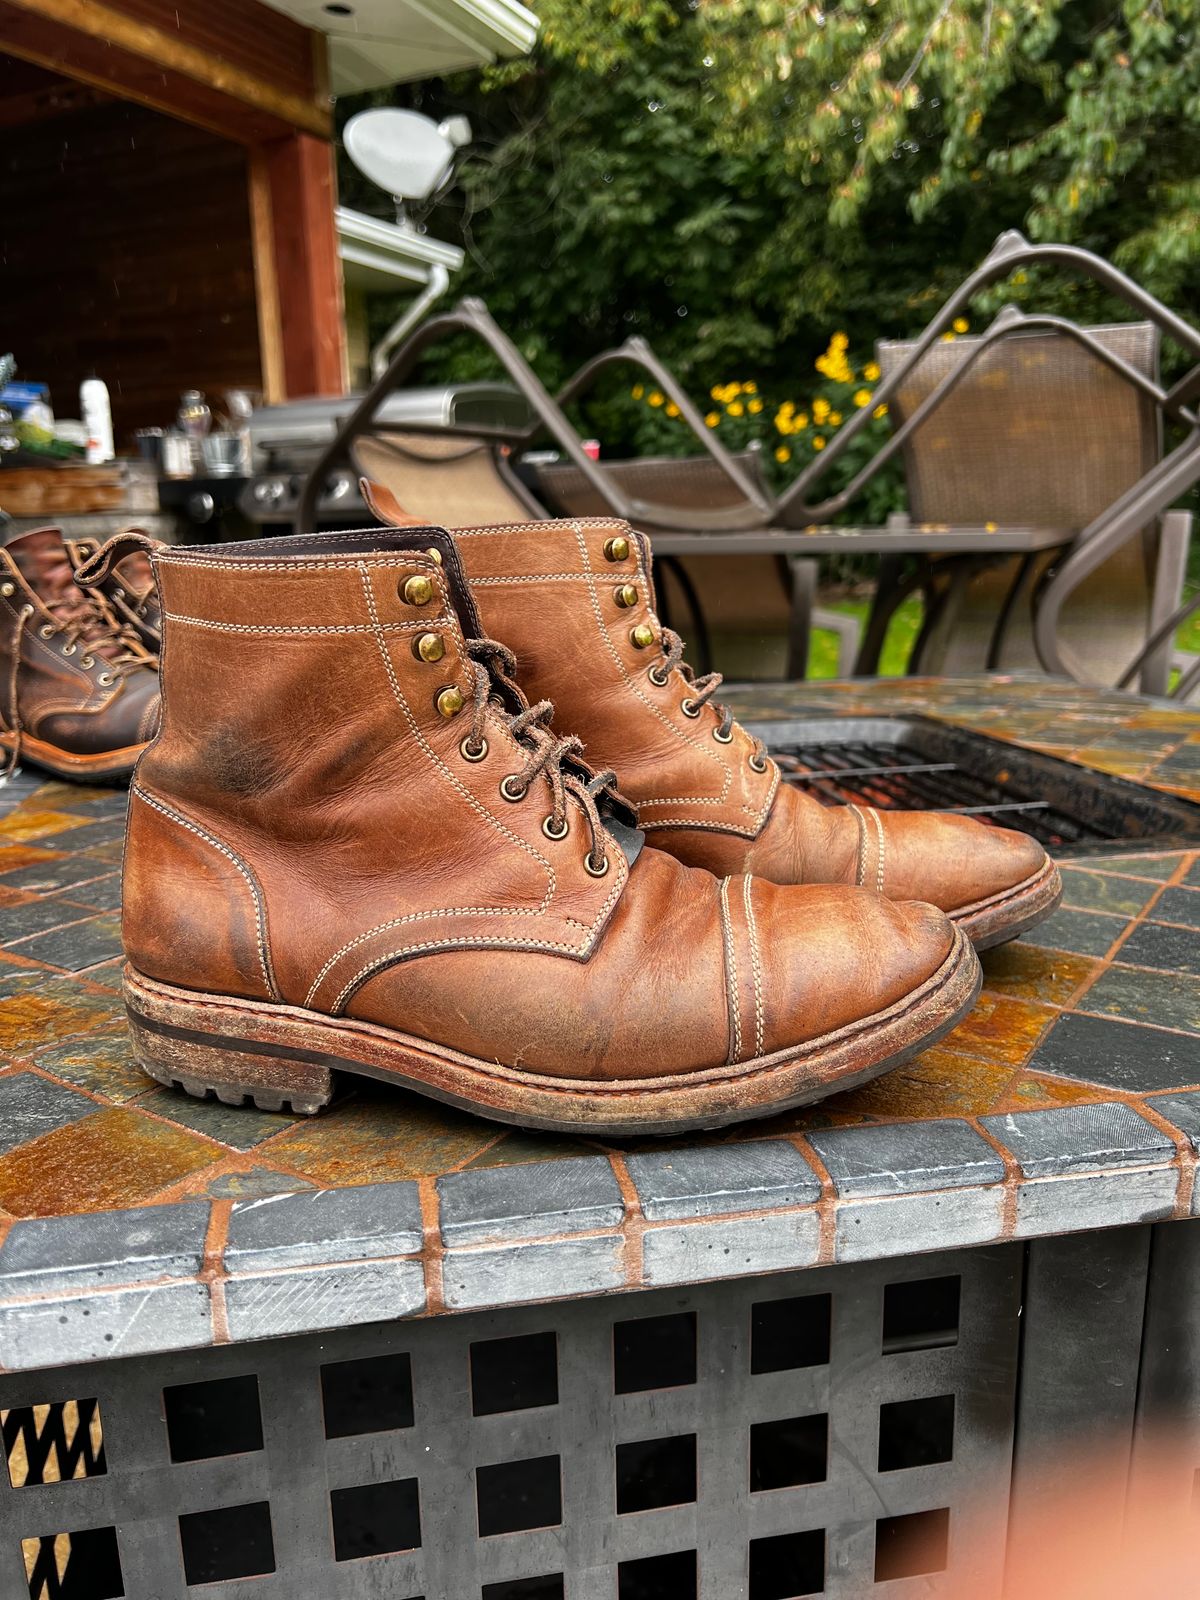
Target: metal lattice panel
x=835, y=1431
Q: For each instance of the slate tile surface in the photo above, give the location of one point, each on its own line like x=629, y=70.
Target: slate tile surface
x=1068, y=1044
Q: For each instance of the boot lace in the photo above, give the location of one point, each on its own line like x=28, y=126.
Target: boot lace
x=491, y=664
x=702, y=691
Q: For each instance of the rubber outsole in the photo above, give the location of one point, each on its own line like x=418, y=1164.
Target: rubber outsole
x=65, y=764
x=280, y=1057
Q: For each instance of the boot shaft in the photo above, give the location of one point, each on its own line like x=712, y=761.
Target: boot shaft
x=328, y=779
x=574, y=600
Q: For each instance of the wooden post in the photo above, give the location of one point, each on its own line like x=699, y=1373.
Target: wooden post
x=300, y=278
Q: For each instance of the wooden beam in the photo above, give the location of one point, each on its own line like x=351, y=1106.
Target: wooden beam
x=266, y=281
x=299, y=176
x=98, y=44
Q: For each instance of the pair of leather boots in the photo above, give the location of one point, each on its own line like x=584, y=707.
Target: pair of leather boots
x=78, y=668
x=357, y=846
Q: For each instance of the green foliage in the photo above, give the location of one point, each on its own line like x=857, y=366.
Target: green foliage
x=735, y=179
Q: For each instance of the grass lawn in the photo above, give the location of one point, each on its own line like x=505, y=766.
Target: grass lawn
x=822, y=655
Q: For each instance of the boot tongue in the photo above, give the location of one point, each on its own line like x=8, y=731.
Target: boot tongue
x=45, y=564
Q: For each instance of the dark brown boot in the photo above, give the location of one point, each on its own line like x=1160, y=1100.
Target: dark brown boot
x=78, y=691
x=355, y=847
x=575, y=603
x=129, y=590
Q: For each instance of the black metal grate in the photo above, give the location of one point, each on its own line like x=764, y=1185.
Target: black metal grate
x=917, y=764
x=841, y=1431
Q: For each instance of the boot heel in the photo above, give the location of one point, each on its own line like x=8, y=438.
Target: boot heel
x=173, y=1045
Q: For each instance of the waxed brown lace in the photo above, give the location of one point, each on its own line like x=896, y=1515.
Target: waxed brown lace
x=492, y=664
x=702, y=690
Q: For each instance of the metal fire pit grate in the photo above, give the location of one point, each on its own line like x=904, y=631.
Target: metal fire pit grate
x=918, y=764
x=846, y=1432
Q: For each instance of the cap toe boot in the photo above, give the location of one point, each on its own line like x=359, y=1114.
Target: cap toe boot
x=575, y=601
x=79, y=694
x=354, y=847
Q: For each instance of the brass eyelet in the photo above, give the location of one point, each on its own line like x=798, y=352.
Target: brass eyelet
x=596, y=872
x=46, y=631
x=723, y=738
x=417, y=591
x=7, y=589
x=626, y=595
x=689, y=708
x=549, y=830
x=87, y=661
x=512, y=790
x=758, y=763
x=449, y=701
x=429, y=647
x=106, y=678
x=616, y=549
x=68, y=649
x=641, y=637
x=658, y=678
x=471, y=752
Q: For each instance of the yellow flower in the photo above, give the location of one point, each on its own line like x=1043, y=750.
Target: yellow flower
x=713, y=419
x=960, y=324
x=948, y=338
x=787, y=408
x=749, y=388
x=672, y=409
x=717, y=393
x=801, y=422
x=656, y=398
x=989, y=527
x=862, y=397
x=754, y=407
x=835, y=419
x=838, y=342
x=783, y=454
x=820, y=409
x=818, y=442
x=880, y=411
x=637, y=391
x=871, y=371
x=735, y=408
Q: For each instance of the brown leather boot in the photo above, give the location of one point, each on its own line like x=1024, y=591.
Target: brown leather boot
x=78, y=692
x=129, y=591
x=575, y=602
x=355, y=847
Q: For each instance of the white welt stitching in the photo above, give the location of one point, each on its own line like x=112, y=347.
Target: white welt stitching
x=732, y=993
x=860, y=875
x=259, y=912
x=755, y=964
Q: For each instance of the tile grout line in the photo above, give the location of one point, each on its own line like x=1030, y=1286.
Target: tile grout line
x=1014, y=1178
x=213, y=1270
x=1185, y=1156
x=432, y=1250
x=633, y=1225
x=827, y=1203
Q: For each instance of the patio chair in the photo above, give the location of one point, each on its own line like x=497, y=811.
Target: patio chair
x=1036, y=421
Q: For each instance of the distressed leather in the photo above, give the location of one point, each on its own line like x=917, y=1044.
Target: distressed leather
x=550, y=592
x=71, y=676
x=307, y=829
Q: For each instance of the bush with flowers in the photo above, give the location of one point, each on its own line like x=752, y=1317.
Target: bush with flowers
x=790, y=430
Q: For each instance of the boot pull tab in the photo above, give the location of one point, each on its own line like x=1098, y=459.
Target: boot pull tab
x=96, y=568
x=385, y=508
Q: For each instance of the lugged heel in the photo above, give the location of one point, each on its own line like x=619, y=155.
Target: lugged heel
x=172, y=1045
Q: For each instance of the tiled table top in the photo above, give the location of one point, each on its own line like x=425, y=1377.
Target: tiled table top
x=134, y=1219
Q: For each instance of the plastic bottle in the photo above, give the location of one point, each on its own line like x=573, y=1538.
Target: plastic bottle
x=96, y=411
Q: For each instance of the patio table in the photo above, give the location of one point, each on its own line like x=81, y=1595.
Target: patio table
x=803, y=548
x=399, y=1350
